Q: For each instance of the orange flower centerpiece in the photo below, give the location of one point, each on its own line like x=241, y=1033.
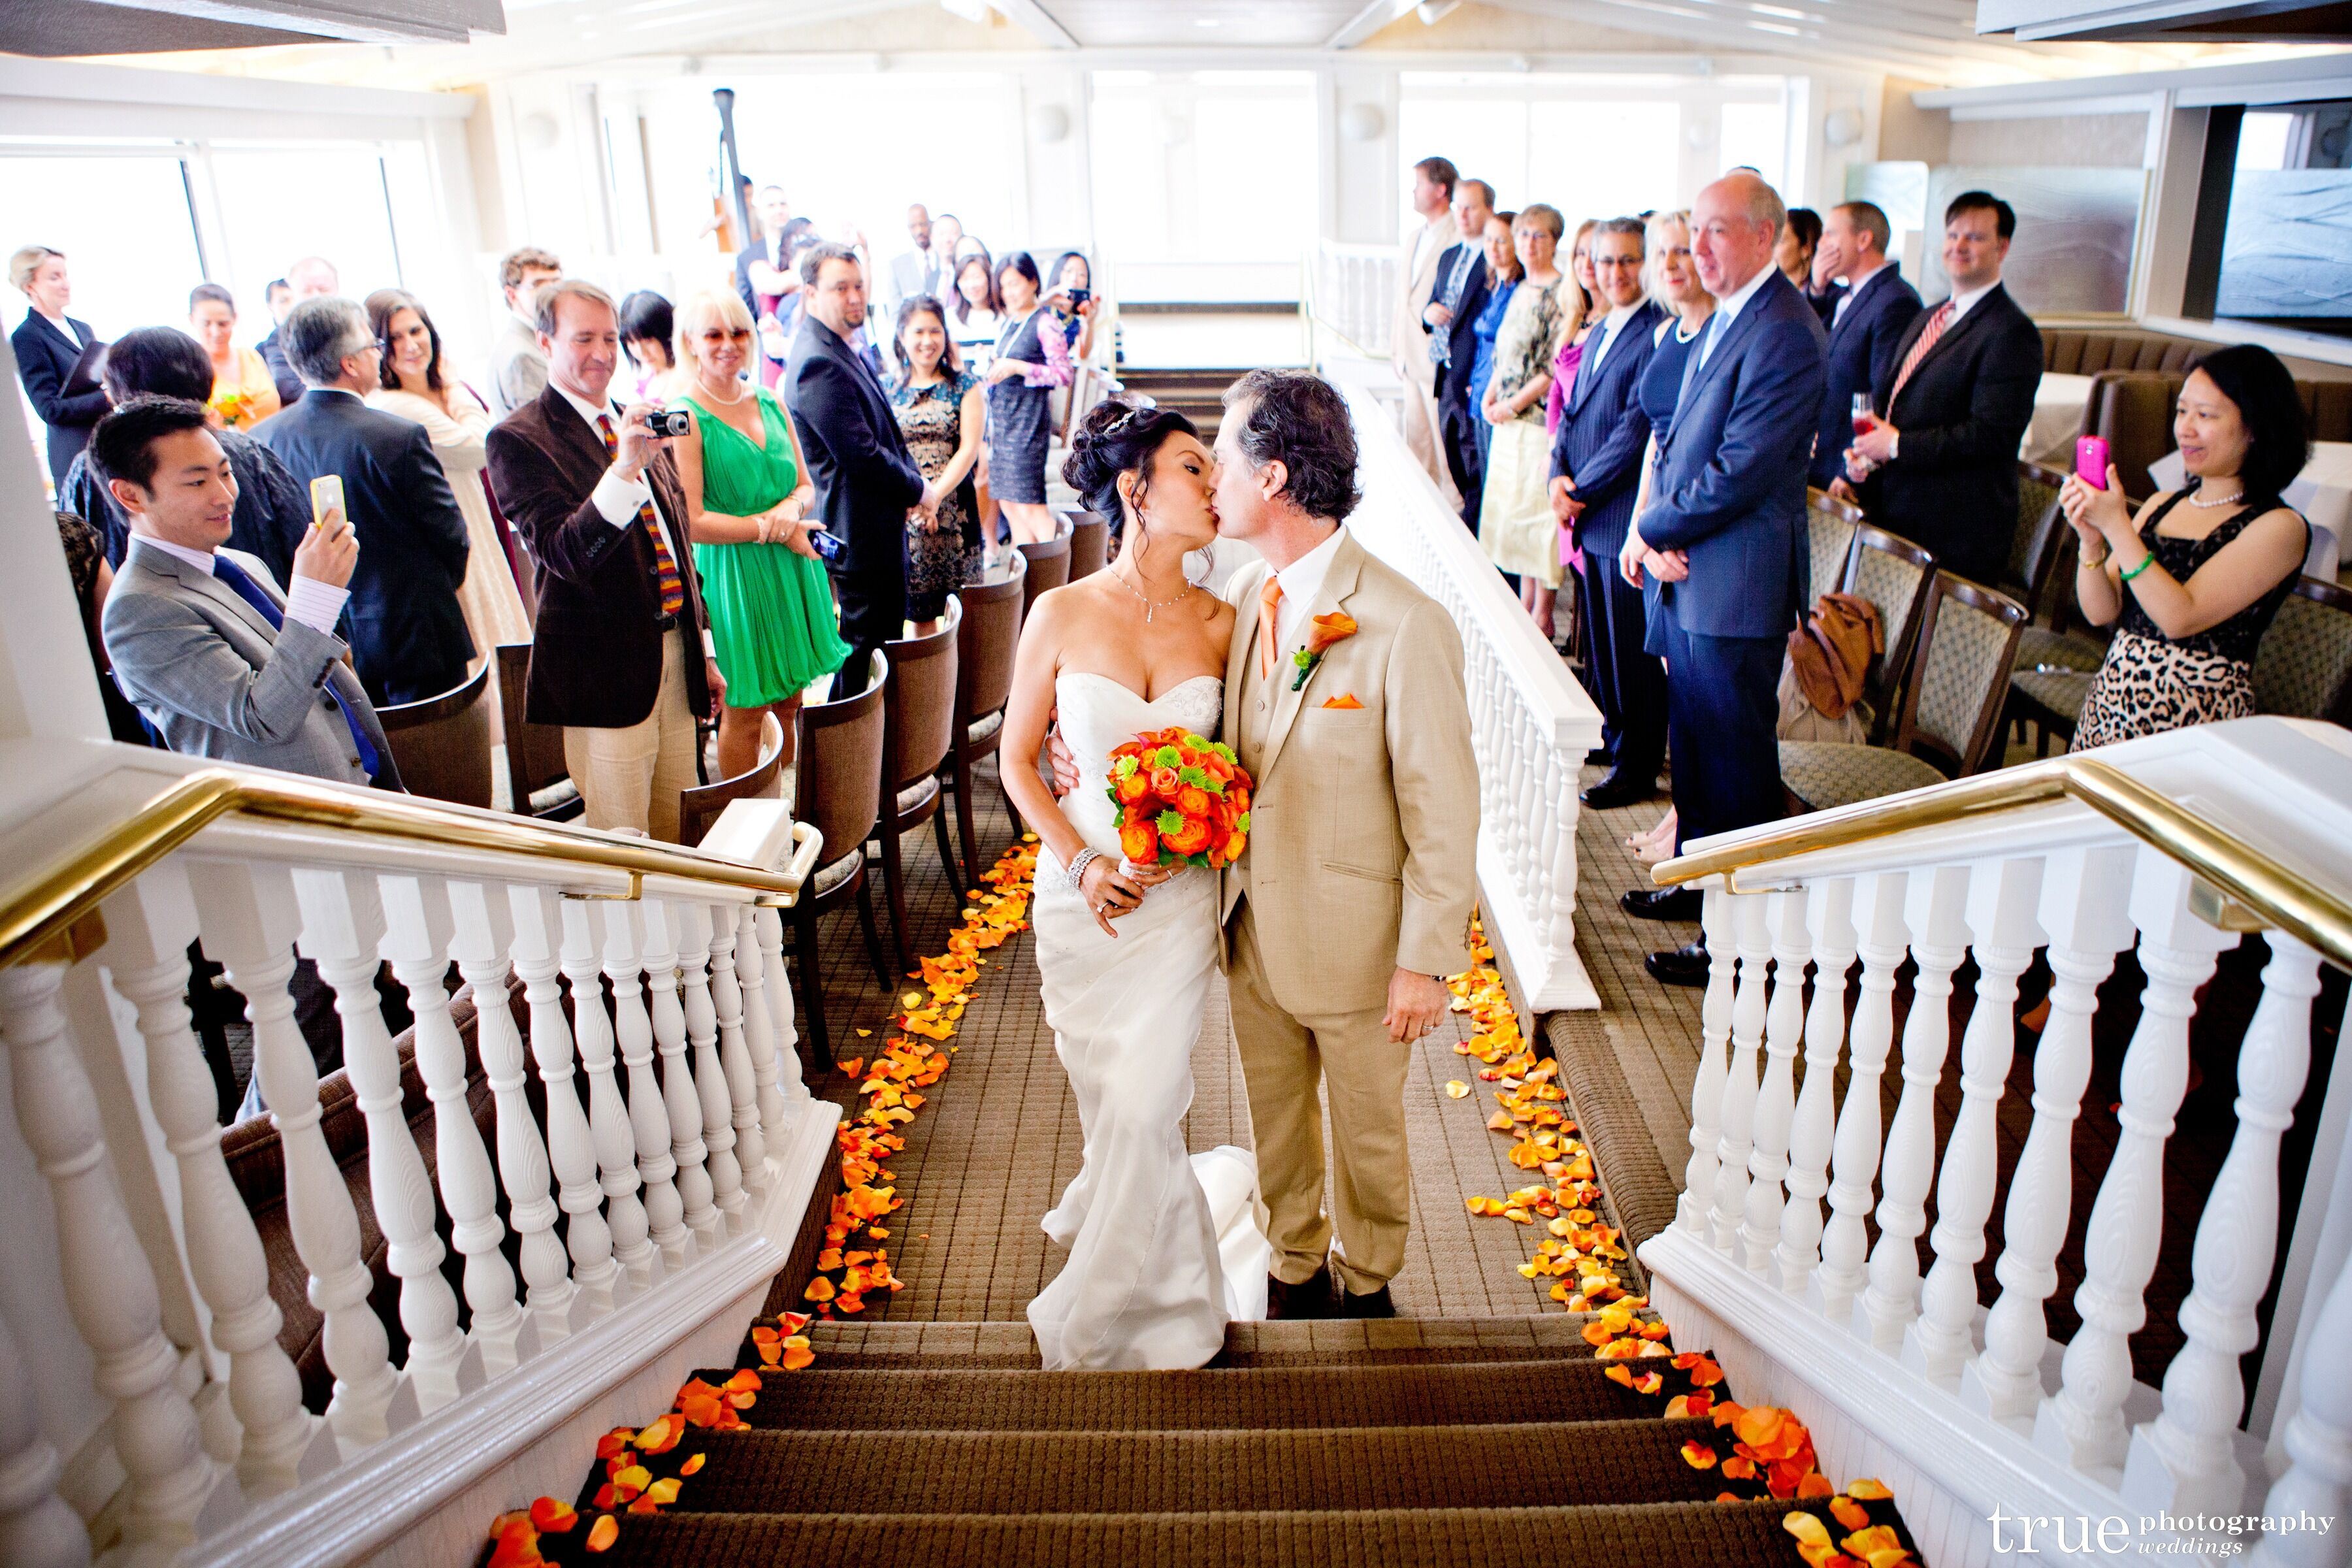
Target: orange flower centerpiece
x=1181, y=797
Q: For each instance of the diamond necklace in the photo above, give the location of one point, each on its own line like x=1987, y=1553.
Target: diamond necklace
x=1150, y=607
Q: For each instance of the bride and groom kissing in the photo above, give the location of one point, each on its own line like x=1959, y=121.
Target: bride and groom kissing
x=1338, y=686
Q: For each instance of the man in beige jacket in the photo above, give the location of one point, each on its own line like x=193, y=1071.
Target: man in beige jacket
x=1431, y=232
x=1344, y=698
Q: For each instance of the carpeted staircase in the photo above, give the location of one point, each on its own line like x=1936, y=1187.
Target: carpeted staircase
x=1411, y=1442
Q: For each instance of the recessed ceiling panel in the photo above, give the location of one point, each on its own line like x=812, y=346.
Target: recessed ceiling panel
x=1212, y=24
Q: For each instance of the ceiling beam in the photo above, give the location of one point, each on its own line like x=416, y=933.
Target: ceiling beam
x=1039, y=22
x=1374, y=16
x=351, y=21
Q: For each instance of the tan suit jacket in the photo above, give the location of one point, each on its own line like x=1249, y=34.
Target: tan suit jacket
x=1363, y=844
x=1409, y=348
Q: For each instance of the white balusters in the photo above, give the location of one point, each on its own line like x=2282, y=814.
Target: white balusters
x=1882, y=940
x=150, y=925
x=484, y=931
x=608, y=1113
x=108, y=1285
x=684, y=1106
x=790, y=1092
x=691, y=924
x=2084, y=912
x=249, y=916
x=1750, y=928
x=734, y=1050
x=1829, y=915
x=538, y=953
x=342, y=932
x=760, y=1030
x=2083, y=1424
x=632, y=1030
x=417, y=944
x=2181, y=1461
x=1933, y=906
x=1784, y=1028
x=1715, y=922
x=38, y=1529
x=2317, y=1481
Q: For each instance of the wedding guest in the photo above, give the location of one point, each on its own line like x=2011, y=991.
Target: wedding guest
x=947, y=236
x=415, y=383
x=977, y=310
x=312, y=277
x=763, y=267
x=942, y=411
x=278, y=295
x=1503, y=275
x=921, y=270
x=648, y=328
x=1583, y=307
x=1449, y=322
x=1030, y=361
x=1074, y=276
x=1793, y=253
x=244, y=392
x=1867, y=319
x=1430, y=232
x=1515, y=520
x=272, y=513
x=518, y=363
x=1939, y=466
x=93, y=580
x=2191, y=589
x=747, y=500
x=48, y=344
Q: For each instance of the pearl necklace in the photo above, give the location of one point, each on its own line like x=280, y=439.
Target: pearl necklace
x=2196, y=498
x=1152, y=607
x=704, y=388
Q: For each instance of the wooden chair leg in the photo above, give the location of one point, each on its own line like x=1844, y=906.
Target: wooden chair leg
x=894, y=882
x=964, y=819
x=812, y=1020
x=947, y=851
x=874, y=939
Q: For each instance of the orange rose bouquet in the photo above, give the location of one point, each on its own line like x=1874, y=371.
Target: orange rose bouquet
x=1181, y=798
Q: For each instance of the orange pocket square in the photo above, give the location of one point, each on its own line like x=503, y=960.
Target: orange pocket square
x=1347, y=702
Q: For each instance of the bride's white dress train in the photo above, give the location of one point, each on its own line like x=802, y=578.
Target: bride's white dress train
x=1165, y=1249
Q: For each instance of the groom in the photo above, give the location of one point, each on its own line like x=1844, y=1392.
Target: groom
x=1353, y=900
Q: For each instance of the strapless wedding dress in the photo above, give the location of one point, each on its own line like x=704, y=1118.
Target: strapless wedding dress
x=1165, y=1247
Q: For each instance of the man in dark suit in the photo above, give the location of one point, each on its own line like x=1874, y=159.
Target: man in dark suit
x=48, y=344
x=312, y=277
x=1725, y=529
x=1866, y=318
x=867, y=484
x=1456, y=300
x=618, y=657
x=408, y=636
x=1596, y=459
x=1940, y=465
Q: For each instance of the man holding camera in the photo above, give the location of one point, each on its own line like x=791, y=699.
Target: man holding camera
x=618, y=659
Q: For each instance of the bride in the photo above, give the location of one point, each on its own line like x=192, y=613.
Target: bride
x=1165, y=1250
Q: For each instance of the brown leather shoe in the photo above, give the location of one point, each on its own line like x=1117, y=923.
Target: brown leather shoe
x=1312, y=1297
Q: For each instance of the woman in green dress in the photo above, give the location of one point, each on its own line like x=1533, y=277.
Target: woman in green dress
x=748, y=495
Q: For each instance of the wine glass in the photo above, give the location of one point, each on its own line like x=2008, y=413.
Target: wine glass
x=1863, y=415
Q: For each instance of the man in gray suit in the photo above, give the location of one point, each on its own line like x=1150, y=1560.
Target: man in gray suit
x=202, y=640
x=518, y=364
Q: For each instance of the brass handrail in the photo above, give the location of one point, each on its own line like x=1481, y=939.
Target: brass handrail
x=40, y=915
x=2276, y=895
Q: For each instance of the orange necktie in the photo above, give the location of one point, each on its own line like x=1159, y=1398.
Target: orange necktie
x=1269, y=599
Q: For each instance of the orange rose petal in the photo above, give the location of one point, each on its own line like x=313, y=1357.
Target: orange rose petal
x=1870, y=1490
x=1699, y=1456
x=602, y=1533
x=693, y=1465
x=553, y=1516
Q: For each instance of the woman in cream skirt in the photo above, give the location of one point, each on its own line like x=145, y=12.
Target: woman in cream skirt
x=1514, y=518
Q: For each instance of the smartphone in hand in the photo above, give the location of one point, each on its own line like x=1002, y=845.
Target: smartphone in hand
x=2091, y=461
x=828, y=547
x=326, y=495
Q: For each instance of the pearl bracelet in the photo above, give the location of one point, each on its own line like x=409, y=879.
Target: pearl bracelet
x=1076, y=875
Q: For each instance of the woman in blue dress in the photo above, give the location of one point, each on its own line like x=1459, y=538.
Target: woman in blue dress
x=1502, y=278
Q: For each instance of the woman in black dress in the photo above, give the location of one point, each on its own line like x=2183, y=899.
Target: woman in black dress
x=940, y=411
x=1030, y=362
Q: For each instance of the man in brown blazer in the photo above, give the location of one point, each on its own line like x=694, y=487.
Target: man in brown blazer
x=1353, y=900
x=617, y=657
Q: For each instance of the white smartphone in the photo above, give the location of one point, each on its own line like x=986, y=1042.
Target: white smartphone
x=326, y=494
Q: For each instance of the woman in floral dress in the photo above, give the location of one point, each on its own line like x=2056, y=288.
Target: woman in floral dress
x=942, y=412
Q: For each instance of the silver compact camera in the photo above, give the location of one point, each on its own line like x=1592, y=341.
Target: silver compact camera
x=670, y=422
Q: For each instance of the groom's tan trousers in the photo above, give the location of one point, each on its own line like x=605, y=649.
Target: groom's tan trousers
x=1285, y=1056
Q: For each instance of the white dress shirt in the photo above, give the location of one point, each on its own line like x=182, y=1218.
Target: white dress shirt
x=1726, y=310
x=1617, y=316
x=618, y=499
x=314, y=603
x=1854, y=287
x=1961, y=301
x=1301, y=581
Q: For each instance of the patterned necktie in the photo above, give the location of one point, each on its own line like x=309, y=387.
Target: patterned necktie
x=1935, y=330
x=1269, y=600
x=673, y=586
x=233, y=577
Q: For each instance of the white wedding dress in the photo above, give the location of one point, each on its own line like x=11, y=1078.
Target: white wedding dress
x=1165, y=1249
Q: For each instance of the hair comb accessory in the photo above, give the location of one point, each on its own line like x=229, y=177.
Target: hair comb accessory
x=1121, y=423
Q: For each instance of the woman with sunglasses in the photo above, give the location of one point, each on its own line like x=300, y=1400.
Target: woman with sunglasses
x=748, y=496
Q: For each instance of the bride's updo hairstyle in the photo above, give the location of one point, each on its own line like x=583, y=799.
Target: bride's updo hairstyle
x=1119, y=437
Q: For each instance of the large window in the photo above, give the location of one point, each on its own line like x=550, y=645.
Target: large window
x=124, y=225
x=2279, y=180
x=1204, y=166
x=280, y=203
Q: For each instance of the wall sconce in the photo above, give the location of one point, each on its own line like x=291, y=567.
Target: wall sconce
x=1842, y=127
x=1362, y=122
x=539, y=131
x=1051, y=123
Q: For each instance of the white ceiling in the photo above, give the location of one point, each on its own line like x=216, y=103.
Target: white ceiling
x=1212, y=24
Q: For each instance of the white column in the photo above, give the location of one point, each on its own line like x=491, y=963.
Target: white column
x=2085, y=913
x=2182, y=1461
x=342, y=932
x=1829, y=915
x=1784, y=1031
x=538, y=954
x=38, y=1529
x=249, y=916
x=633, y=1029
x=1715, y=922
x=734, y=1048
x=108, y=1285
x=149, y=927
x=1754, y=935
x=608, y=1112
x=418, y=946
x=484, y=930
x=2083, y=1424
x=691, y=923
x=2318, y=1445
x=1882, y=940
x=2003, y=935
x=1932, y=911
x=682, y=1103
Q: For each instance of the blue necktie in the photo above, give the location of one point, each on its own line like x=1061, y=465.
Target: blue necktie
x=1707, y=343
x=246, y=588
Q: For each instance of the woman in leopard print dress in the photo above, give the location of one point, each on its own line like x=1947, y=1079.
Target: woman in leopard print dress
x=2191, y=588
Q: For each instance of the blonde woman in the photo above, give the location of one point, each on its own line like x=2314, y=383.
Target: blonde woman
x=1514, y=517
x=49, y=343
x=748, y=496
x=244, y=392
x=418, y=387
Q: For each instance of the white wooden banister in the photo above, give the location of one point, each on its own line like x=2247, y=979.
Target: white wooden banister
x=611, y=1121
x=1776, y=1097
x=1829, y=915
x=649, y=1121
x=2317, y=1481
x=1716, y=922
x=734, y=1050
x=693, y=924
x=1749, y=1005
x=537, y=956
x=38, y=1528
x=681, y=1101
x=1881, y=939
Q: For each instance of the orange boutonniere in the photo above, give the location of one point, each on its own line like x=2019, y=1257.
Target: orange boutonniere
x=1347, y=702
x=1324, y=631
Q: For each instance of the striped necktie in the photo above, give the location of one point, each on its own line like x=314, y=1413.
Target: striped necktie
x=673, y=586
x=1927, y=339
